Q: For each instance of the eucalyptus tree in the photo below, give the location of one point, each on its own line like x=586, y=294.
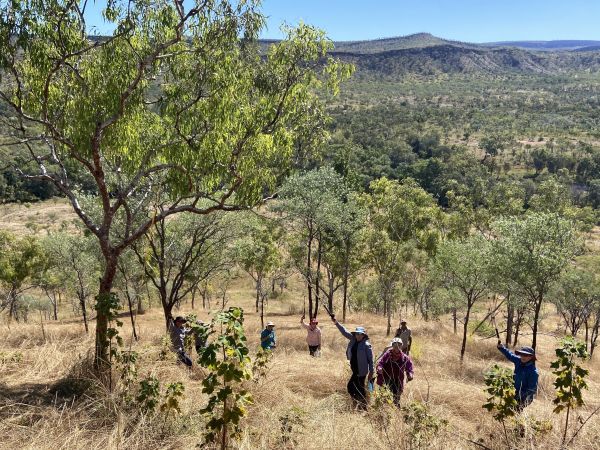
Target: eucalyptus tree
x=532, y=252
x=178, y=100
x=463, y=266
x=311, y=204
x=419, y=284
x=258, y=253
x=76, y=261
x=575, y=295
x=131, y=281
x=22, y=263
x=179, y=254
x=402, y=217
x=343, y=255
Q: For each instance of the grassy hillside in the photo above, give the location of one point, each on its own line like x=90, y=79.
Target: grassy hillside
x=47, y=399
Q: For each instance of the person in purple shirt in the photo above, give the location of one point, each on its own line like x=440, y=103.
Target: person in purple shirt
x=392, y=366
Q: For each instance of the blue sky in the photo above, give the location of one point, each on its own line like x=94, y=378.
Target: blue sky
x=464, y=20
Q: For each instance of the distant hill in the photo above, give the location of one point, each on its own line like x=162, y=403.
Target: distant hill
x=419, y=40
x=591, y=48
x=424, y=40
x=457, y=59
x=545, y=45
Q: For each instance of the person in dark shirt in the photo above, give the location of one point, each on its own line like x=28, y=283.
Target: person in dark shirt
x=526, y=374
x=177, y=333
x=267, y=337
x=360, y=354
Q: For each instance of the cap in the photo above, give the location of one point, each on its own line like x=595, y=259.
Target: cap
x=180, y=319
x=360, y=330
x=526, y=351
x=270, y=324
x=396, y=341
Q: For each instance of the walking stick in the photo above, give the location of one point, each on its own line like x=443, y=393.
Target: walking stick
x=496, y=328
x=329, y=311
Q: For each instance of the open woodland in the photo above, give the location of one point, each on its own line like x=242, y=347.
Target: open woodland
x=183, y=167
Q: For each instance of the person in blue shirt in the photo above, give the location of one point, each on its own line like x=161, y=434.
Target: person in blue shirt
x=526, y=374
x=267, y=337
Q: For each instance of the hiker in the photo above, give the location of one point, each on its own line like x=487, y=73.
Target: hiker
x=526, y=374
x=313, y=336
x=405, y=334
x=391, y=369
x=267, y=337
x=178, y=333
x=360, y=355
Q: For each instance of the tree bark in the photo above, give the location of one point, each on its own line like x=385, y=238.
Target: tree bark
x=102, y=342
x=131, y=316
x=308, y=273
x=318, y=276
x=463, y=347
x=83, y=313
x=510, y=314
x=536, y=316
x=454, y=320
x=345, y=285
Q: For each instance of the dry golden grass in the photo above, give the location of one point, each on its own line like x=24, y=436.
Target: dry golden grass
x=38, y=409
x=31, y=218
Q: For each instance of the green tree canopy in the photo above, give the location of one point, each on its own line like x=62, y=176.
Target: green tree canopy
x=178, y=101
x=532, y=252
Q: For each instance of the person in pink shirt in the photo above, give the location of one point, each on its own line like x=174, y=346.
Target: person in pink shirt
x=313, y=336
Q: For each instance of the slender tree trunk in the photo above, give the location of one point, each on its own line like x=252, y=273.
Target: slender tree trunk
x=257, y=284
x=262, y=307
x=131, y=316
x=454, y=320
x=102, y=342
x=55, y=306
x=83, y=312
x=388, y=309
x=510, y=314
x=463, y=347
x=309, y=275
x=536, y=316
x=318, y=276
x=594, y=333
x=520, y=315
x=345, y=285
x=330, y=287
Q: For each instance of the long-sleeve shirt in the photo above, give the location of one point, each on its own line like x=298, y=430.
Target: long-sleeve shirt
x=267, y=339
x=363, y=363
x=313, y=337
x=391, y=368
x=526, y=376
x=177, y=336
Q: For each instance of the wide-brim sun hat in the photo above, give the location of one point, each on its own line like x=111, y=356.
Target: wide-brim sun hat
x=360, y=330
x=270, y=324
x=525, y=351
